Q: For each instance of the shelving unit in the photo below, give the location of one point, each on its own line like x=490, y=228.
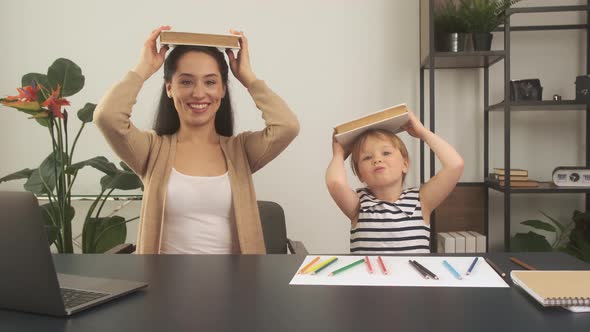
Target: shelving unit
x=432, y=60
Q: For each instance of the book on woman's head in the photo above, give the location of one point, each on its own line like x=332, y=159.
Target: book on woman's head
x=555, y=288
x=199, y=39
x=391, y=119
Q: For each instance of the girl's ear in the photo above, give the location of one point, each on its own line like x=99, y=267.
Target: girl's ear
x=169, y=90
x=405, y=166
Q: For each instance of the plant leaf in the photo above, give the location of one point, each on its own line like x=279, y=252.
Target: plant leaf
x=103, y=234
x=45, y=173
x=122, y=180
x=529, y=242
x=22, y=174
x=86, y=113
x=555, y=221
x=538, y=224
x=100, y=163
x=67, y=74
x=39, y=79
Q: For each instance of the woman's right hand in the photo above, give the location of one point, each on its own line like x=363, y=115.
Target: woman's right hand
x=151, y=59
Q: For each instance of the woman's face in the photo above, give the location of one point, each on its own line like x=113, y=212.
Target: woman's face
x=197, y=89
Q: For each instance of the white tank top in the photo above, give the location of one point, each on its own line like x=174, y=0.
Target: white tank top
x=198, y=216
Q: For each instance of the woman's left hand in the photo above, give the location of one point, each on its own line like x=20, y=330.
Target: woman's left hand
x=240, y=66
x=414, y=127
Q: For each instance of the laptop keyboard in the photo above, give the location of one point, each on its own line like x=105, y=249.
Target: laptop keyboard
x=75, y=297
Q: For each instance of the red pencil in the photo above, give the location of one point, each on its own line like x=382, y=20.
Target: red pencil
x=369, y=267
x=383, y=268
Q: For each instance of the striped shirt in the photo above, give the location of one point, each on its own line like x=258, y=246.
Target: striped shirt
x=385, y=227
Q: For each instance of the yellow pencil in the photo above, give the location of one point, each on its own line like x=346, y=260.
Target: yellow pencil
x=317, y=268
x=304, y=269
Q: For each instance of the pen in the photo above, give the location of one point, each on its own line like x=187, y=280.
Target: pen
x=451, y=269
x=471, y=266
x=369, y=267
x=432, y=275
x=422, y=272
x=342, y=269
x=304, y=269
x=495, y=267
x=323, y=265
x=521, y=263
x=383, y=268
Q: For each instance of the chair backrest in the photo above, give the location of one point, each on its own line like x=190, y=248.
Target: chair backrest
x=274, y=229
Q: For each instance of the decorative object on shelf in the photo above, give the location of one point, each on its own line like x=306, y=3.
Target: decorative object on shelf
x=526, y=90
x=42, y=97
x=556, y=98
x=568, y=176
x=483, y=17
x=450, y=27
x=583, y=89
x=572, y=237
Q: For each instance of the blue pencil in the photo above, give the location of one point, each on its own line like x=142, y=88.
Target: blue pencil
x=471, y=266
x=452, y=270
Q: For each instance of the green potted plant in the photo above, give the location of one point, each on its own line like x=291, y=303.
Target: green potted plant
x=43, y=96
x=572, y=238
x=450, y=27
x=482, y=17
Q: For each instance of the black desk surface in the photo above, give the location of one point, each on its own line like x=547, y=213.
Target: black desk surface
x=252, y=293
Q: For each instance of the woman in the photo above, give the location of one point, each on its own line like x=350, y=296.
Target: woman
x=199, y=195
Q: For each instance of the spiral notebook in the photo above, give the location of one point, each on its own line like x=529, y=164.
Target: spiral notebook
x=556, y=288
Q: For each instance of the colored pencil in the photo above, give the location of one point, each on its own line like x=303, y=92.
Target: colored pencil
x=304, y=269
x=422, y=272
x=432, y=275
x=521, y=263
x=495, y=267
x=323, y=265
x=369, y=266
x=471, y=266
x=383, y=268
x=452, y=269
x=342, y=269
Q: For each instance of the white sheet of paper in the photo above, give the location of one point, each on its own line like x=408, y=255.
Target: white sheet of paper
x=401, y=273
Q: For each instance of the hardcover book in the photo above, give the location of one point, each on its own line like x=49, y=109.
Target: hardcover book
x=199, y=39
x=391, y=119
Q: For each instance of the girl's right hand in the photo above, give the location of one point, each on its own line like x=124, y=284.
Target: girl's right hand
x=338, y=150
x=151, y=59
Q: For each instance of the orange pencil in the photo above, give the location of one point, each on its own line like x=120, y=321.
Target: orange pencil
x=308, y=265
x=521, y=263
x=369, y=267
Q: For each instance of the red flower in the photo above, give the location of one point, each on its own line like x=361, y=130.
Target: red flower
x=26, y=93
x=54, y=102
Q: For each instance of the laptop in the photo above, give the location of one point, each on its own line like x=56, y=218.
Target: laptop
x=28, y=280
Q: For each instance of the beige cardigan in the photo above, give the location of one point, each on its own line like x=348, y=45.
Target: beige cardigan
x=152, y=156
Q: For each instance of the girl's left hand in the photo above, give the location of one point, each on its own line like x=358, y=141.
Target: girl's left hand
x=414, y=127
x=240, y=66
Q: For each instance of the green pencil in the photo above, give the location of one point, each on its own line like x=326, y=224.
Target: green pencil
x=342, y=269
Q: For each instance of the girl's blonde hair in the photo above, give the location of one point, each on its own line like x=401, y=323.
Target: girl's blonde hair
x=376, y=133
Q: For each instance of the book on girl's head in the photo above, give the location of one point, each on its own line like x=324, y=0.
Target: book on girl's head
x=199, y=39
x=391, y=119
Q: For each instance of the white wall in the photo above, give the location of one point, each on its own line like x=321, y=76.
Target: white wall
x=329, y=60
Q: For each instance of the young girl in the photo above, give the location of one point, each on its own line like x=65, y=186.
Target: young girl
x=384, y=217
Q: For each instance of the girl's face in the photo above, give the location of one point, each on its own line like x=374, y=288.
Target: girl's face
x=197, y=89
x=380, y=163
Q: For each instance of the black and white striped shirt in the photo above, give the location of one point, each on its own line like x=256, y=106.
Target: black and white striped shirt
x=385, y=227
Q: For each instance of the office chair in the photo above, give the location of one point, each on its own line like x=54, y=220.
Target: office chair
x=274, y=228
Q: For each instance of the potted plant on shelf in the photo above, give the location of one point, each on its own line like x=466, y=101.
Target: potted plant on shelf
x=450, y=27
x=482, y=17
x=43, y=97
x=572, y=238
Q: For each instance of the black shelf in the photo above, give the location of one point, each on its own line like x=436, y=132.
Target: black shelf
x=543, y=188
x=456, y=60
x=545, y=105
x=547, y=9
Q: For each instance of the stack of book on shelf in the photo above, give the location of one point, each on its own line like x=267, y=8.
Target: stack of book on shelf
x=460, y=242
x=518, y=178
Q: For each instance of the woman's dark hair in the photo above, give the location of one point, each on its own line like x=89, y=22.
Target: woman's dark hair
x=167, y=121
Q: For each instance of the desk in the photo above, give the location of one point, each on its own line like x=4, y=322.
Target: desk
x=252, y=293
